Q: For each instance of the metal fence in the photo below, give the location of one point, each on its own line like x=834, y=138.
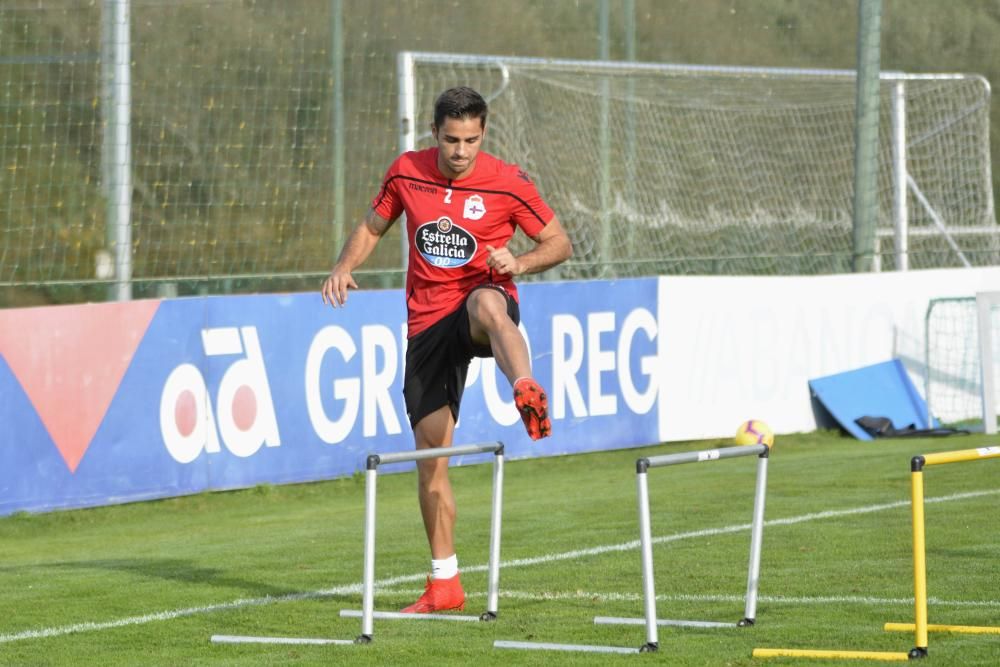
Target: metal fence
x=161, y=147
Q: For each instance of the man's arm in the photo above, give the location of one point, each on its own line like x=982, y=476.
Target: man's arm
x=357, y=248
x=553, y=247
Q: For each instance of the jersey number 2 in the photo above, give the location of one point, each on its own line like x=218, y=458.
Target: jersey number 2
x=447, y=196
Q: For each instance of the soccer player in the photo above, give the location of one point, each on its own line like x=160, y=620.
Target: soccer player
x=462, y=206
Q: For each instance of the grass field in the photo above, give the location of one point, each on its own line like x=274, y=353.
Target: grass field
x=149, y=583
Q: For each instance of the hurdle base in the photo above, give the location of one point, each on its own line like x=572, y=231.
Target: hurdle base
x=961, y=629
x=884, y=656
x=488, y=616
x=615, y=620
x=649, y=647
x=576, y=648
x=746, y=623
x=243, y=639
x=400, y=616
x=917, y=652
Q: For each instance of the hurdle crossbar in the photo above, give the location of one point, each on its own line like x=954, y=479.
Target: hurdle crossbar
x=920, y=626
x=373, y=462
x=642, y=466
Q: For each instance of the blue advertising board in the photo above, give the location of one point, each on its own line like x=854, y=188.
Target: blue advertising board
x=109, y=403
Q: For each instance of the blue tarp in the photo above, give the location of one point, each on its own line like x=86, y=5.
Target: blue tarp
x=881, y=390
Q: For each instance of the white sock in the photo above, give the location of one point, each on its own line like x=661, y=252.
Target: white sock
x=446, y=568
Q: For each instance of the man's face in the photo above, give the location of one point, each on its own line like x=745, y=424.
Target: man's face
x=459, y=140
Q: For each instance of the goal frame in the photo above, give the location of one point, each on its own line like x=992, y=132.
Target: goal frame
x=902, y=182
x=985, y=302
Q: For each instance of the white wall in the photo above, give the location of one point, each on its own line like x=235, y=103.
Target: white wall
x=735, y=348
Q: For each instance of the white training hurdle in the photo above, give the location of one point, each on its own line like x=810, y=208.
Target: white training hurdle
x=651, y=621
x=368, y=614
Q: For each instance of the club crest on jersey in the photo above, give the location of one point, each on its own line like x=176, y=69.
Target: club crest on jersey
x=444, y=244
x=475, y=208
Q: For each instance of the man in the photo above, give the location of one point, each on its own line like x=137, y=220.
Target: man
x=462, y=206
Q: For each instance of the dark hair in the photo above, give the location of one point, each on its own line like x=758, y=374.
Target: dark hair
x=460, y=102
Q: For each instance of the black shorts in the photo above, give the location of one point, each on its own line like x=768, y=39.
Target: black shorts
x=437, y=361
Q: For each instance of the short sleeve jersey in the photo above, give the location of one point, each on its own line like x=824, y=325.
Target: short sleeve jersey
x=450, y=223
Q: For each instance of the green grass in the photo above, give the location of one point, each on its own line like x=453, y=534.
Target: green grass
x=149, y=583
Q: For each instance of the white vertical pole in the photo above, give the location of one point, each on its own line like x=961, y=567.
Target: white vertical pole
x=368, y=586
x=407, y=110
x=121, y=183
x=493, y=585
x=646, y=546
x=986, y=367
x=756, y=538
x=407, y=102
x=900, y=213
x=927, y=365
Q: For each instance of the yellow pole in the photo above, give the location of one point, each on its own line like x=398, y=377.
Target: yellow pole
x=960, y=629
x=808, y=653
x=919, y=559
x=960, y=455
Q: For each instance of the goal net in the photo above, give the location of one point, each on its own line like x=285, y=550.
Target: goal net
x=660, y=169
x=962, y=353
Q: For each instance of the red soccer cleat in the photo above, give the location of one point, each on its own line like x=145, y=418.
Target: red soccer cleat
x=533, y=405
x=439, y=595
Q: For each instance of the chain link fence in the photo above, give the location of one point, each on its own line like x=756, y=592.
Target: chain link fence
x=258, y=132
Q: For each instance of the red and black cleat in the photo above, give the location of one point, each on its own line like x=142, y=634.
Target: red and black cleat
x=533, y=404
x=439, y=595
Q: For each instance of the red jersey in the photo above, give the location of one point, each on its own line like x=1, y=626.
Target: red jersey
x=450, y=223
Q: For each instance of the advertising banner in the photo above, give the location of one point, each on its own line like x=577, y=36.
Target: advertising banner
x=106, y=403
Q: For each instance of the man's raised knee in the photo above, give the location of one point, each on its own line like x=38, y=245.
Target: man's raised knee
x=488, y=309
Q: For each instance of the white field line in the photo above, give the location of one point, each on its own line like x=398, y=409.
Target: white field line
x=860, y=600
x=349, y=589
x=710, y=532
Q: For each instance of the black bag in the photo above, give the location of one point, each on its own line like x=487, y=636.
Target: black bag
x=882, y=427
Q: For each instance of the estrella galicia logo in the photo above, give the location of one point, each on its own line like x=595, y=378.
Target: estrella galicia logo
x=444, y=244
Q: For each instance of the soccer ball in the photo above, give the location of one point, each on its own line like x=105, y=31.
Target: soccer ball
x=754, y=432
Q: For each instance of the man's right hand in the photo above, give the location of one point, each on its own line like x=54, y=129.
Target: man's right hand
x=356, y=249
x=335, y=287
